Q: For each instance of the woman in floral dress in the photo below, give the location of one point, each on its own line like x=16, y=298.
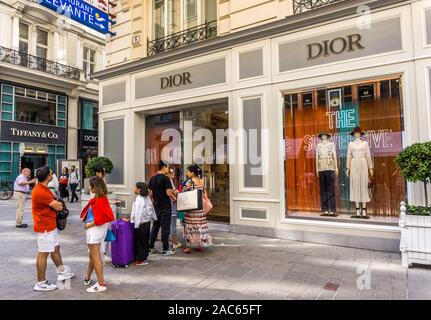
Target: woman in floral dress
x=196, y=231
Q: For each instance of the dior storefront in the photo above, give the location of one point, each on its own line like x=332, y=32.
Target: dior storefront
x=253, y=108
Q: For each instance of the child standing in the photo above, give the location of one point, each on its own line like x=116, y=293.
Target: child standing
x=96, y=216
x=142, y=214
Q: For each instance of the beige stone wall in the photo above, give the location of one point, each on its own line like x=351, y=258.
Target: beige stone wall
x=130, y=40
x=134, y=23
x=235, y=15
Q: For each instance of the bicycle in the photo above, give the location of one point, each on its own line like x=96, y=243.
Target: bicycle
x=6, y=189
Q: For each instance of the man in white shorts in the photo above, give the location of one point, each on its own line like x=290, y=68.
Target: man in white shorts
x=44, y=211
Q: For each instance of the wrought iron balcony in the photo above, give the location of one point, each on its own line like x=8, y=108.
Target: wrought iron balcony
x=300, y=6
x=182, y=38
x=23, y=59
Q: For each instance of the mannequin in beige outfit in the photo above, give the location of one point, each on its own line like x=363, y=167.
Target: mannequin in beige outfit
x=359, y=168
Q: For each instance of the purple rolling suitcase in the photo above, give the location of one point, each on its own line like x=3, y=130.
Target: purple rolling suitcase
x=122, y=250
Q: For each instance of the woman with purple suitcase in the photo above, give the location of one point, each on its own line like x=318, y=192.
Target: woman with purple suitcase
x=96, y=216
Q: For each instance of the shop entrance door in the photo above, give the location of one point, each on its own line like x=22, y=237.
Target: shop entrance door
x=210, y=117
x=33, y=162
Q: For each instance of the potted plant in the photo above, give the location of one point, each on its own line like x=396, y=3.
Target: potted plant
x=414, y=163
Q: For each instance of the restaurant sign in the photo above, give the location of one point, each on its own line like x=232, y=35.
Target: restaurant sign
x=81, y=12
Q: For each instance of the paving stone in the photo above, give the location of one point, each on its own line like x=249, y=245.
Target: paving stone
x=245, y=267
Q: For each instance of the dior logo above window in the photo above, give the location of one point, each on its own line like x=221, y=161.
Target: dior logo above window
x=177, y=80
x=335, y=46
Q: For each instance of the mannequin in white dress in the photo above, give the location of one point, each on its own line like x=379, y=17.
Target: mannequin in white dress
x=359, y=168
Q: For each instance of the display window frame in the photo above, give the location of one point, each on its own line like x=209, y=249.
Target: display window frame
x=286, y=214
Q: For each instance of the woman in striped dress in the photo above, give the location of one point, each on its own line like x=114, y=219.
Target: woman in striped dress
x=196, y=231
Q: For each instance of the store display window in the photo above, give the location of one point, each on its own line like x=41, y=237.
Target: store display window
x=340, y=144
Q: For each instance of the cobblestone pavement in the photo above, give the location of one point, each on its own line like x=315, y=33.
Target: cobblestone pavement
x=237, y=267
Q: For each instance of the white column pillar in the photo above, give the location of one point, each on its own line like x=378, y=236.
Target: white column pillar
x=72, y=131
x=56, y=47
x=15, y=33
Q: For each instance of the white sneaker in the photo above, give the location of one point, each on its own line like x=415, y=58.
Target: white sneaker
x=97, y=288
x=44, y=286
x=168, y=252
x=65, y=276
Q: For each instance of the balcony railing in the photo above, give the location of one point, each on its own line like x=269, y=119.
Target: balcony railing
x=23, y=59
x=182, y=38
x=300, y=6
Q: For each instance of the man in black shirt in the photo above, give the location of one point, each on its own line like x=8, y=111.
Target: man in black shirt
x=161, y=191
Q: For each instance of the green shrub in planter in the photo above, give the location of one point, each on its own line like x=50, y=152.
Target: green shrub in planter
x=96, y=162
x=414, y=162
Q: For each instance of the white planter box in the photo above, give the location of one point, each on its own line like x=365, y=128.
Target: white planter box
x=415, y=243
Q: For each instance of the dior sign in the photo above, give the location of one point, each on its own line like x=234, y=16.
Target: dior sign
x=177, y=80
x=342, y=45
x=33, y=133
x=337, y=45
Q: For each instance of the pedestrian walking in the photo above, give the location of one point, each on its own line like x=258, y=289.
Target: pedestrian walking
x=196, y=231
x=161, y=191
x=53, y=185
x=142, y=215
x=96, y=216
x=21, y=188
x=74, y=180
x=173, y=231
x=44, y=212
x=64, y=183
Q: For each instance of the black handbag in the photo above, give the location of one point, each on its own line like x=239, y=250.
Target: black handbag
x=62, y=216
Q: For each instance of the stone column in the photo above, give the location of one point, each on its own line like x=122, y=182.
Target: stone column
x=72, y=125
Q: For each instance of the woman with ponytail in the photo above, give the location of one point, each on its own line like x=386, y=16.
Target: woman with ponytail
x=196, y=232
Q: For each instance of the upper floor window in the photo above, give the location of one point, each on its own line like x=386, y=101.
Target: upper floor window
x=23, y=37
x=42, y=44
x=89, y=61
x=171, y=16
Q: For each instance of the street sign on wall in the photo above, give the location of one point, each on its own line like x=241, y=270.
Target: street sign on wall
x=81, y=12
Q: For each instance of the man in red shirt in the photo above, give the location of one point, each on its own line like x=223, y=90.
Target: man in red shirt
x=44, y=210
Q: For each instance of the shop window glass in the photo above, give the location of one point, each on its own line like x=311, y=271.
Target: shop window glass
x=61, y=115
x=42, y=95
x=189, y=121
x=19, y=91
x=5, y=156
x=5, y=166
x=61, y=107
x=51, y=149
x=15, y=165
x=52, y=97
x=30, y=93
x=7, y=107
x=61, y=149
x=7, y=98
x=35, y=111
x=16, y=147
x=7, y=89
x=61, y=123
x=376, y=107
x=6, y=116
x=89, y=115
x=61, y=99
x=5, y=176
